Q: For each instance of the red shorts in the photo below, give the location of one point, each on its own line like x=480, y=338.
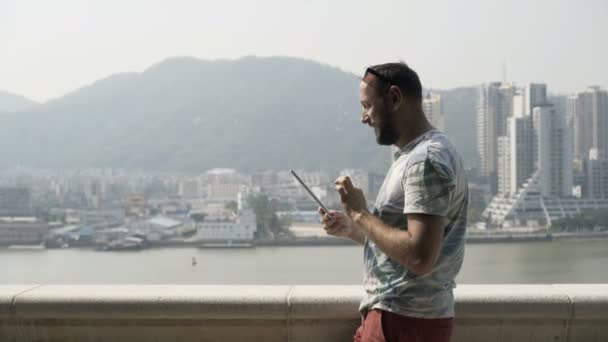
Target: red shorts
x=384, y=326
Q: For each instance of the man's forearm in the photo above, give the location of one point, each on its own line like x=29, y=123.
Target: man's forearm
x=358, y=234
x=393, y=242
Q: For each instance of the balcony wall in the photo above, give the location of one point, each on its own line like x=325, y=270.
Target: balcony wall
x=285, y=313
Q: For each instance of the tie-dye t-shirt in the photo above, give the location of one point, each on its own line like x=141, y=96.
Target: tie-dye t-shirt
x=426, y=177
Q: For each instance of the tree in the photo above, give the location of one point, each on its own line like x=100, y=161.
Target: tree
x=269, y=224
x=263, y=213
x=285, y=222
x=232, y=206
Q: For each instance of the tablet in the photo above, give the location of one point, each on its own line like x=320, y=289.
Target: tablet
x=310, y=192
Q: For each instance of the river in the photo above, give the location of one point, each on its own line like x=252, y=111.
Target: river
x=512, y=263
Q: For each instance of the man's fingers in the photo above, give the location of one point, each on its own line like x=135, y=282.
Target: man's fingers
x=332, y=222
x=339, y=180
x=329, y=221
x=331, y=230
x=344, y=182
x=340, y=189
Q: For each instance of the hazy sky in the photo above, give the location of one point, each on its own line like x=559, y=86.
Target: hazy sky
x=48, y=48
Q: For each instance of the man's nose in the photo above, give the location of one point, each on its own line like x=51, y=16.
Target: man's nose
x=365, y=119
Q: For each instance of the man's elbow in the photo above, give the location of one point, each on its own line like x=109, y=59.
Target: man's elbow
x=420, y=265
x=424, y=269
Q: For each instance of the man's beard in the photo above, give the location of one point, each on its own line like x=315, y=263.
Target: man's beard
x=386, y=133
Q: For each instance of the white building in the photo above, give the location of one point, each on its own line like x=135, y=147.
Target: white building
x=504, y=131
x=546, y=194
x=160, y=228
x=515, y=154
x=242, y=229
x=552, y=152
x=495, y=105
x=535, y=95
x=22, y=230
x=189, y=188
x=433, y=108
x=225, y=184
x=596, y=176
x=95, y=190
x=522, y=147
x=588, y=122
x=225, y=191
x=503, y=169
x=528, y=207
x=265, y=179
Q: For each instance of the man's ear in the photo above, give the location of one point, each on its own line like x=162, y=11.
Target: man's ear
x=396, y=97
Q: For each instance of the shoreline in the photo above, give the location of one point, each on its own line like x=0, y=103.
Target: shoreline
x=475, y=238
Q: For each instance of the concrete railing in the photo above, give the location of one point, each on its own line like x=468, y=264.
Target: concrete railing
x=285, y=313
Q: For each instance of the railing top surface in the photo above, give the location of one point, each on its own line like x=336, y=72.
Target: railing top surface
x=558, y=301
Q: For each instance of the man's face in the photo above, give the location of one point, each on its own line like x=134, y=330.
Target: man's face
x=376, y=114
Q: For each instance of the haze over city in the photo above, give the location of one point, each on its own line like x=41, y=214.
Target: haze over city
x=52, y=48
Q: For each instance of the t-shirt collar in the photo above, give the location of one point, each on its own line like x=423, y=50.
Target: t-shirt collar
x=409, y=146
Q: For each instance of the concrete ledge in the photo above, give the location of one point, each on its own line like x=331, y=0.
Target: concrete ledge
x=325, y=302
x=153, y=302
x=589, y=300
x=285, y=313
x=512, y=301
x=8, y=293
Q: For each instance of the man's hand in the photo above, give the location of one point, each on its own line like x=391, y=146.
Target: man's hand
x=351, y=198
x=337, y=224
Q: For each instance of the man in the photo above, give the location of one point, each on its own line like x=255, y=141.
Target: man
x=414, y=237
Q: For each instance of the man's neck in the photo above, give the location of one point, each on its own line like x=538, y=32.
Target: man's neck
x=413, y=132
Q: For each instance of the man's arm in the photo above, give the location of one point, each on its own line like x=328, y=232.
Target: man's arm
x=416, y=248
x=358, y=234
x=426, y=199
x=341, y=225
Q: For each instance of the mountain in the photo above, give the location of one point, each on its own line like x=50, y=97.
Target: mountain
x=10, y=103
x=187, y=114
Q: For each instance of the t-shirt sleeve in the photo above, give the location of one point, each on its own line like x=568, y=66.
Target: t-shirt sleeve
x=428, y=185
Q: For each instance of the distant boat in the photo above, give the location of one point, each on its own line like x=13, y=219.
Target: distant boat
x=126, y=244
x=193, y=261
x=28, y=247
x=227, y=244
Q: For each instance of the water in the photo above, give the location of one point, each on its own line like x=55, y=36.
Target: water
x=545, y=262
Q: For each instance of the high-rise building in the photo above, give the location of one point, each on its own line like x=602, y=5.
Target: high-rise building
x=552, y=154
x=588, y=122
x=503, y=168
x=596, y=176
x=516, y=154
x=495, y=105
x=535, y=94
x=536, y=187
x=433, y=108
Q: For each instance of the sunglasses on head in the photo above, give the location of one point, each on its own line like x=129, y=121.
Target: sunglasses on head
x=383, y=78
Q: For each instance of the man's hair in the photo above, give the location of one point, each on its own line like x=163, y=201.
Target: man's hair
x=397, y=74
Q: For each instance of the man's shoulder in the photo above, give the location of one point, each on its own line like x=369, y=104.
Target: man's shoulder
x=436, y=149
